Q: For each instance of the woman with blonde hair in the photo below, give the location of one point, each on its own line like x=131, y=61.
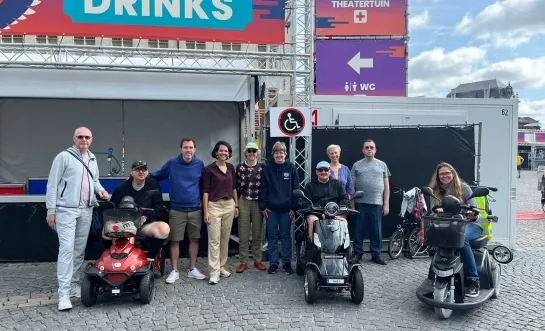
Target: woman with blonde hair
x=339, y=171
x=446, y=181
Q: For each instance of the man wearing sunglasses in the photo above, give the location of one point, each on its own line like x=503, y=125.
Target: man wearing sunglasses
x=146, y=193
x=371, y=176
x=250, y=218
x=321, y=190
x=70, y=199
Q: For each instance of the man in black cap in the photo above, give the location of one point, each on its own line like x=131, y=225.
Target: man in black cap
x=147, y=194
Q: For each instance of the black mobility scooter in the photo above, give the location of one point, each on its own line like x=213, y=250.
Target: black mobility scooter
x=325, y=262
x=444, y=287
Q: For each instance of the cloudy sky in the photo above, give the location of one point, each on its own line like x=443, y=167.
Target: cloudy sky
x=461, y=41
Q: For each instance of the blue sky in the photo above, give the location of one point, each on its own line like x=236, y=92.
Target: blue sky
x=460, y=41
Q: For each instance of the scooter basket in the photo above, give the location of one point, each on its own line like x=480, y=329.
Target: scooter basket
x=444, y=232
x=121, y=223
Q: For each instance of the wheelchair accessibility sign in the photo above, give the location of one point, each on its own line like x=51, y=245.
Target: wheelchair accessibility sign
x=290, y=122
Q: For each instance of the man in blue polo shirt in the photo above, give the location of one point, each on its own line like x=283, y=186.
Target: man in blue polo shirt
x=185, y=174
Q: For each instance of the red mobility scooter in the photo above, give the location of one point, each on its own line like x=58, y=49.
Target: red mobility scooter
x=123, y=269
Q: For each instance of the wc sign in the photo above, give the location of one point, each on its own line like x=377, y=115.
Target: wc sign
x=290, y=122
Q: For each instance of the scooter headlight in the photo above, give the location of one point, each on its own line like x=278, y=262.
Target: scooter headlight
x=331, y=209
x=317, y=241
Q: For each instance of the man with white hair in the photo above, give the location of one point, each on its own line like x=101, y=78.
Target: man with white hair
x=70, y=199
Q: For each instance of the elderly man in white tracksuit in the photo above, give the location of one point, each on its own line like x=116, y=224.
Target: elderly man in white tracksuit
x=70, y=199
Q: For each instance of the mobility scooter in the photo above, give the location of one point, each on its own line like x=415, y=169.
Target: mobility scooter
x=123, y=269
x=326, y=262
x=444, y=287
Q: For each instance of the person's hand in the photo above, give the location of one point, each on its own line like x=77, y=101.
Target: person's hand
x=103, y=194
x=50, y=220
x=323, y=216
x=144, y=219
x=292, y=214
x=236, y=212
x=439, y=210
x=385, y=210
x=206, y=218
x=265, y=213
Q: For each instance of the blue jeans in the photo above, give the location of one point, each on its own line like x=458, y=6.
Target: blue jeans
x=473, y=231
x=275, y=222
x=372, y=215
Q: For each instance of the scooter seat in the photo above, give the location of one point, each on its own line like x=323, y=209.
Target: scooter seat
x=479, y=242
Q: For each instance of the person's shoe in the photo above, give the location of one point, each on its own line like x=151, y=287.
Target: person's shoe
x=356, y=257
x=224, y=273
x=241, y=268
x=472, y=289
x=196, y=274
x=172, y=277
x=260, y=266
x=75, y=292
x=288, y=269
x=379, y=260
x=214, y=280
x=272, y=269
x=64, y=302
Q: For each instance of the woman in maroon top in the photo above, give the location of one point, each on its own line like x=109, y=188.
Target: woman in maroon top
x=220, y=206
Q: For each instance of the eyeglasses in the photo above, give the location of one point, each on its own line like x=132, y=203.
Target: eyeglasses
x=445, y=174
x=369, y=147
x=82, y=137
x=140, y=169
x=251, y=150
x=323, y=170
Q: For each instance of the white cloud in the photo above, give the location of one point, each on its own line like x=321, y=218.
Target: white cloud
x=506, y=23
x=534, y=109
x=419, y=21
x=434, y=73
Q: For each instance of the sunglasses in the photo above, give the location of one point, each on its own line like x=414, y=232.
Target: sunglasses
x=140, y=169
x=323, y=170
x=369, y=147
x=82, y=137
x=251, y=150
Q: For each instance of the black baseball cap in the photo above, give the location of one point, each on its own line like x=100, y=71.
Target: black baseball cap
x=139, y=164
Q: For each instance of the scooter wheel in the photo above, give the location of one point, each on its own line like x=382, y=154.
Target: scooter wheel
x=502, y=254
x=147, y=287
x=357, y=287
x=88, y=297
x=311, y=285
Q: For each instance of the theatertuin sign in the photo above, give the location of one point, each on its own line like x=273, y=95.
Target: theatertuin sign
x=361, y=18
x=360, y=67
x=241, y=21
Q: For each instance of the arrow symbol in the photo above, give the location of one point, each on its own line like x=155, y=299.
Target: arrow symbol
x=357, y=63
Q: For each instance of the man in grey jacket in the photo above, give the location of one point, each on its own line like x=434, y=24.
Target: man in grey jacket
x=70, y=199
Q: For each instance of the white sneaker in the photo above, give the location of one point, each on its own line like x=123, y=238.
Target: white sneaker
x=195, y=273
x=224, y=273
x=75, y=292
x=214, y=280
x=64, y=302
x=172, y=277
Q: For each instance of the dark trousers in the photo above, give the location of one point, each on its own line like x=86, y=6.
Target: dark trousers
x=370, y=215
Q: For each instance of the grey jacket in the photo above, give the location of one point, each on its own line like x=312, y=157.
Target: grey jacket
x=65, y=181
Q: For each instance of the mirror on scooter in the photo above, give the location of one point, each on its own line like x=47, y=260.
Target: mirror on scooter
x=427, y=191
x=451, y=205
x=357, y=195
x=480, y=192
x=298, y=194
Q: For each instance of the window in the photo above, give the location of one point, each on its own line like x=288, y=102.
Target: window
x=13, y=39
x=195, y=45
x=231, y=47
x=155, y=43
x=78, y=40
x=262, y=63
x=122, y=42
x=47, y=39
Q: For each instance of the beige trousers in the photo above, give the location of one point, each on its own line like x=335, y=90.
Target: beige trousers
x=221, y=215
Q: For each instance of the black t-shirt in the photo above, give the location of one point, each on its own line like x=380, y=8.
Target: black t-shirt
x=143, y=197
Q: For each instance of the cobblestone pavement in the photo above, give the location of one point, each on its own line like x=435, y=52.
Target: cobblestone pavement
x=257, y=301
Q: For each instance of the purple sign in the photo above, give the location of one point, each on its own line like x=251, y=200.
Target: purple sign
x=360, y=67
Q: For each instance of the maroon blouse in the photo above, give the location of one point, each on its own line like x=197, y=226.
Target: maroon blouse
x=217, y=184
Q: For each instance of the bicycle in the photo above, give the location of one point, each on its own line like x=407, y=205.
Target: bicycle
x=109, y=156
x=407, y=237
